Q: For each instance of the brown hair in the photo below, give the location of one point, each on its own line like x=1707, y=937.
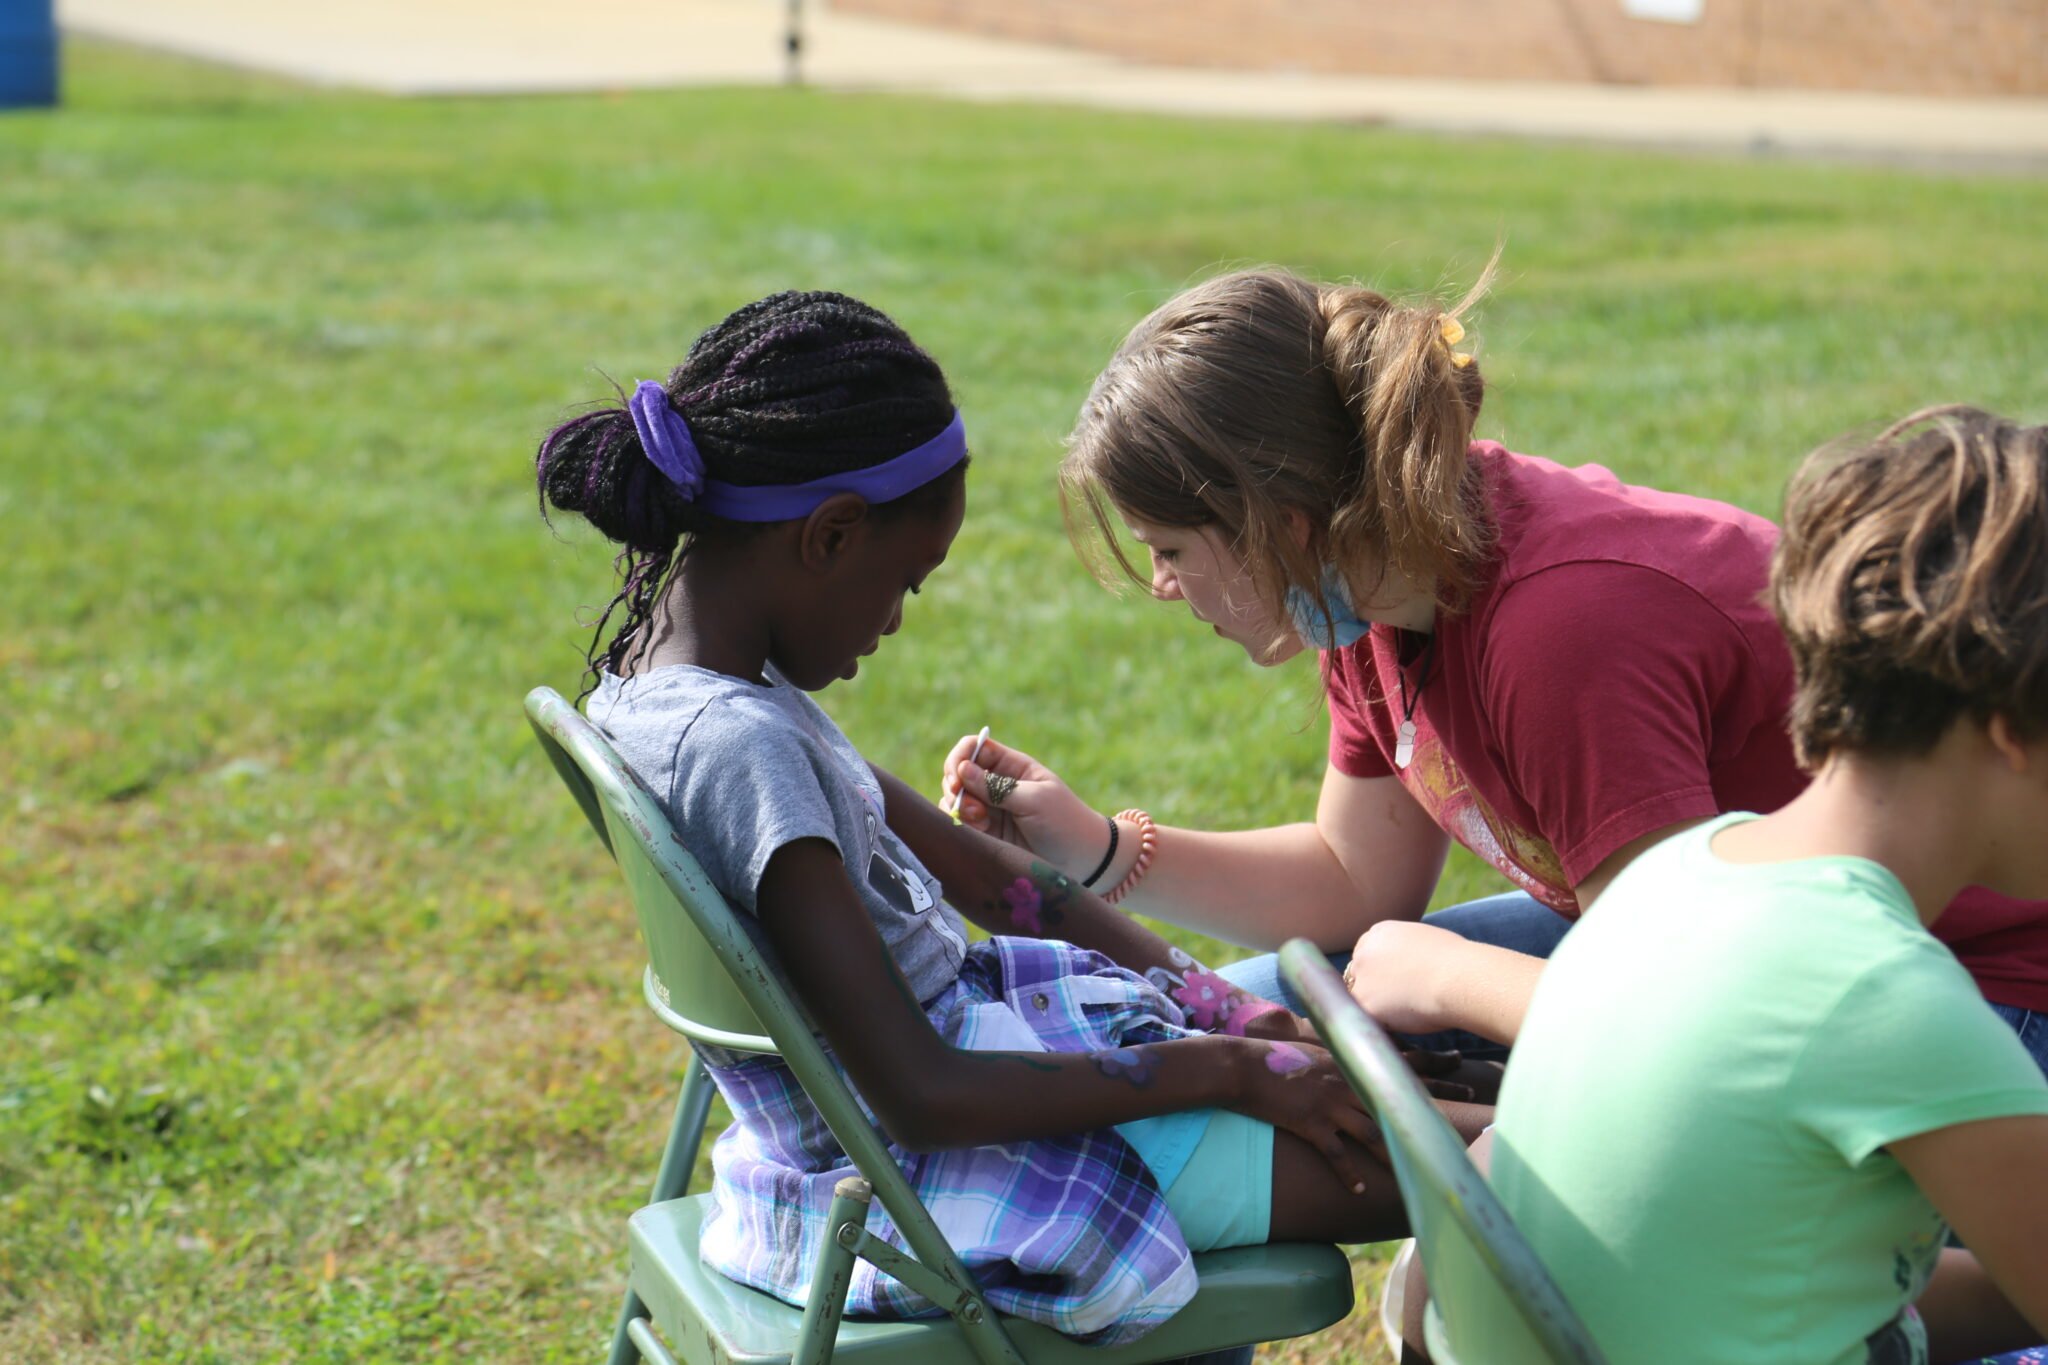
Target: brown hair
x=1260, y=393
x=1912, y=584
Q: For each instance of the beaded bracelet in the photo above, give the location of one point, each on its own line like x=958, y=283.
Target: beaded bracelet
x=1148, y=841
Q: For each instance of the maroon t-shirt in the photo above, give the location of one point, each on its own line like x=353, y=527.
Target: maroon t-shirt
x=1617, y=672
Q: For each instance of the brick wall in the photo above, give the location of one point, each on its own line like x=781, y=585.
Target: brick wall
x=1947, y=47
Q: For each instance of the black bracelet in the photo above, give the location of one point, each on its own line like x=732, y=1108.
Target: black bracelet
x=1107, y=858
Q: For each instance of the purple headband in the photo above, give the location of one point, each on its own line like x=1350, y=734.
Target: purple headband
x=666, y=437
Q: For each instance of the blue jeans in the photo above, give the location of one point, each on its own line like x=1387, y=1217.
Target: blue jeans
x=2032, y=1027
x=1513, y=920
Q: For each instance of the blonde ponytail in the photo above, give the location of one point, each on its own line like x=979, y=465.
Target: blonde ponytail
x=1417, y=505
x=1260, y=399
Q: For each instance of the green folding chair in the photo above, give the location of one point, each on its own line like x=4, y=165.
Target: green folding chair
x=708, y=981
x=1491, y=1302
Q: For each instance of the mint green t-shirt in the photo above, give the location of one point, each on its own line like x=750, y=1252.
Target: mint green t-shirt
x=1691, y=1130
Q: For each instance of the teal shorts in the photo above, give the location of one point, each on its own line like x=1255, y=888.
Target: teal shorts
x=1215, y=1168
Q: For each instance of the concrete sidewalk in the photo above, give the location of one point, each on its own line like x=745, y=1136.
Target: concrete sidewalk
x=436, y=47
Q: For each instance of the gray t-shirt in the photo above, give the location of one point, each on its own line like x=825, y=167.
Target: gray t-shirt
x=743, y=769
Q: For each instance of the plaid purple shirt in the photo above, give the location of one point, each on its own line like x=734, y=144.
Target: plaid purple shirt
x=1071, y=1232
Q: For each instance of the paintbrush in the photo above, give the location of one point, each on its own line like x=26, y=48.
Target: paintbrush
x=954, y=809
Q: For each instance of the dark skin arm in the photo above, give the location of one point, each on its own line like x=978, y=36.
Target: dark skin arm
x=1006, y=890
x=931, y=1095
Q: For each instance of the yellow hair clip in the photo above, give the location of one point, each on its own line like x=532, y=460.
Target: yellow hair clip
x=1452, y=331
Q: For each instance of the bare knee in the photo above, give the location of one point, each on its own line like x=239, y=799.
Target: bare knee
x=1310, y=1204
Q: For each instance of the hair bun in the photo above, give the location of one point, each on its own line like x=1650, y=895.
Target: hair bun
x=595, y=467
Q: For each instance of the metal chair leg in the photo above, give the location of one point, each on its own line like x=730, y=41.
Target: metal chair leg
x=624, y=1352
x=834, y=1274
x=671, y=1181
x=685, y=1135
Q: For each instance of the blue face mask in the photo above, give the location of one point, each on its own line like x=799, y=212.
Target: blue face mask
x=1341, y=628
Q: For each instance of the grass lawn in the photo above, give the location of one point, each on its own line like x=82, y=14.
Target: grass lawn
x=320, y=1034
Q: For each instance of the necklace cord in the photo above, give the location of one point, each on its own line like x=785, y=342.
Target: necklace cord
x=1408, y=704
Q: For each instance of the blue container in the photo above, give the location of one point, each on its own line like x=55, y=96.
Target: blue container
x=28, y=53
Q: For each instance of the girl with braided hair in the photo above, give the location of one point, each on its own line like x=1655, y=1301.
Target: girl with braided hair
x=1077, y=1102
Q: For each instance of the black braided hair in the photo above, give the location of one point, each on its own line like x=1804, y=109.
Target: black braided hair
x=788, y=389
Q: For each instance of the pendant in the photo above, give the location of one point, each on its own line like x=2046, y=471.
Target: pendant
x=1404, y=747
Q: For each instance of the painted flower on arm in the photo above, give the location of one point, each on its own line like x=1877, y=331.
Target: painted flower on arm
x=1022, y=898
x=1285, y=1059
x=1128, y=1064
x=1206, y=997
x=1163, y=981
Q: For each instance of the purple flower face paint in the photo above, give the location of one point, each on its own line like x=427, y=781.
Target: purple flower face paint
x=1024, y=901
x=1285, y=1059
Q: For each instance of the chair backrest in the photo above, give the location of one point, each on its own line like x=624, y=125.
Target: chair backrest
x=1491, y=1300
x=687, y=984
x=719, y=986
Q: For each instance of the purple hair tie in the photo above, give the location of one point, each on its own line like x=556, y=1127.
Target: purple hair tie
x=665, y=436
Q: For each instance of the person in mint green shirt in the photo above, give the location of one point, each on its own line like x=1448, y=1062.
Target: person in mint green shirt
x=1752, y=1094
